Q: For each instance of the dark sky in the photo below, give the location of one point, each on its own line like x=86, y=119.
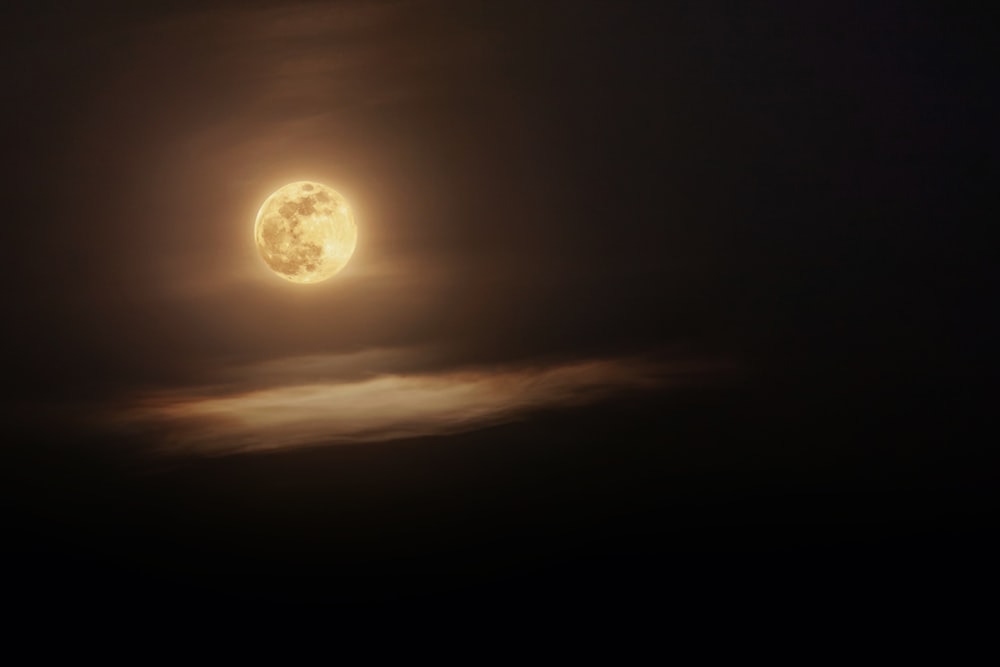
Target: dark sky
x=749, y=235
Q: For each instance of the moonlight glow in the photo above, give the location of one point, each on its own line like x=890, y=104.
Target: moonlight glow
x=305, y=232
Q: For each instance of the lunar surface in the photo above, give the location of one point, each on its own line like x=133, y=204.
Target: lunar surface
x=305, y=232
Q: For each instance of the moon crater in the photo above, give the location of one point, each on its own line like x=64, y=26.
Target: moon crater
x=305, y=232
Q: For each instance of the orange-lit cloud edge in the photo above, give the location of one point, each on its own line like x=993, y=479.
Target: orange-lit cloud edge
x=331, y=399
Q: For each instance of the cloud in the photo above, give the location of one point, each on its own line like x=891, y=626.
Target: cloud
x=348, y=407
x=301, y=57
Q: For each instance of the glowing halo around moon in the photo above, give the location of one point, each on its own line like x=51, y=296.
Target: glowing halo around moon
x=305, y=232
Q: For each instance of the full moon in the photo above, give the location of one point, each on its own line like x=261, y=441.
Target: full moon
x=305, y=232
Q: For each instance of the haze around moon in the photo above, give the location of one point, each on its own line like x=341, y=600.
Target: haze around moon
x=305, y=232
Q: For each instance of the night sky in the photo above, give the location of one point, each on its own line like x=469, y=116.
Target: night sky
x=647, y=298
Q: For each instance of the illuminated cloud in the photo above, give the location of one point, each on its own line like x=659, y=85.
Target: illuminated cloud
x=366, y=409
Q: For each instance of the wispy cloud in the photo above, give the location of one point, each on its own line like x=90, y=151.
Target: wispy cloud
x=299, y=57
x=366, y=409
